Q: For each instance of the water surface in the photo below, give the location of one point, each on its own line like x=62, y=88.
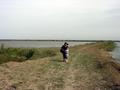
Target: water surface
x=37, y=44
x=116, y=52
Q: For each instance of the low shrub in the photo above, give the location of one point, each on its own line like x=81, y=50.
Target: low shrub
x=26, y=53
x=29, y=54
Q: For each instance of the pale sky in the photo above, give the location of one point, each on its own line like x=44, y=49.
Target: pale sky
x=60, y=19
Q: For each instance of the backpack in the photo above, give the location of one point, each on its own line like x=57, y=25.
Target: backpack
x=61, y=50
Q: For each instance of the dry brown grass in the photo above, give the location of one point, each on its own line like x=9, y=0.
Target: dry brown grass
x=50, y=73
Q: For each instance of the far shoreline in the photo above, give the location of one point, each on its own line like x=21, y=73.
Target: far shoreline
x=58, y=40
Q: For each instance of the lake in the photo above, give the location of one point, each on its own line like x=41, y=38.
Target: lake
x=116, y=52
x=37, y=44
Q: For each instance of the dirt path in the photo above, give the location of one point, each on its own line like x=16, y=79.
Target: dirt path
x=82, y=74
x=70, y=79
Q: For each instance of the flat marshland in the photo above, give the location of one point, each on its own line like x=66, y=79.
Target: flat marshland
x=43, y=69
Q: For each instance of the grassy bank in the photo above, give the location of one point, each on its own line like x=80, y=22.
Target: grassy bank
x=46, y=71
x=110, y=64
x=108, y=46
x=23, y=54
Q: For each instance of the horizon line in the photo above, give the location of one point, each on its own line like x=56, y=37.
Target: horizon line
x=58, y=40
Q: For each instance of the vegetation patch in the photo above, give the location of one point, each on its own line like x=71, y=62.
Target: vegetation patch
x=108, y=46
x=47, y=53
x=23, y=54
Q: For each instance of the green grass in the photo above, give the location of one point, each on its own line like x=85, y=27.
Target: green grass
x=23, y=54
x=108, y=46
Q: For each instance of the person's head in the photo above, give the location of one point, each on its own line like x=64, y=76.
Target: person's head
x=66, y=44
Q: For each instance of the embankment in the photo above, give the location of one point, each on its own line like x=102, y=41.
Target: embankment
x=90, y=67
x=106, y=61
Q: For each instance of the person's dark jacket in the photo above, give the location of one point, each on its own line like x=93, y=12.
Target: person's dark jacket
x=63, y=49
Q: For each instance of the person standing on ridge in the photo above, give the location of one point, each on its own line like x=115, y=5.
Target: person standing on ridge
x=65, y=51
